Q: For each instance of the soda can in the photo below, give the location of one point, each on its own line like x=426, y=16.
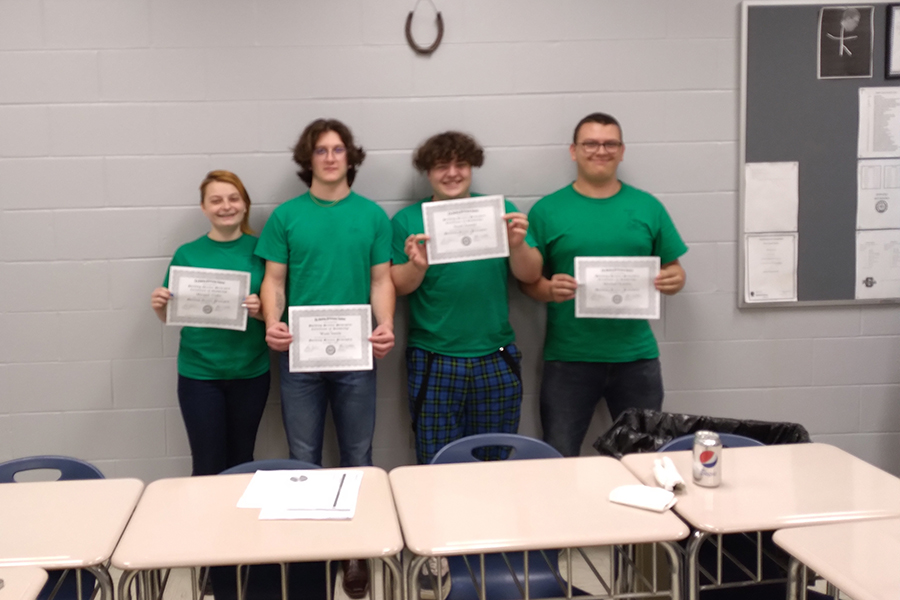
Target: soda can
x=707, y=459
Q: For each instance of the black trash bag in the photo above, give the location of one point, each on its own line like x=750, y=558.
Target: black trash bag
x=647, y=430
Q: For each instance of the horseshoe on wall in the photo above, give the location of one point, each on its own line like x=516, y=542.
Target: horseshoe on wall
x=422, y=50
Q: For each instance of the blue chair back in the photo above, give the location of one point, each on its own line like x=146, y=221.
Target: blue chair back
x=69, y=468
x=524, y=448
x=729, y=440
x=269, y=464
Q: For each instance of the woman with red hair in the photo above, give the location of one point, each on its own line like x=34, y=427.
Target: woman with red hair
x=223, y=374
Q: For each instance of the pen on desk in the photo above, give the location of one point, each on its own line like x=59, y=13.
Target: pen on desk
x=343, y=477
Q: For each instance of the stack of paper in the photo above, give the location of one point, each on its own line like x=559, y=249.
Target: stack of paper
x=303, y=494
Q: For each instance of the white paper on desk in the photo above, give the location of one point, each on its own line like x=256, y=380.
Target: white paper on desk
x=771, y=268
x=878, y=264
x=878, y=194
x=771, y=196
x=303, y=494
x=879, y=122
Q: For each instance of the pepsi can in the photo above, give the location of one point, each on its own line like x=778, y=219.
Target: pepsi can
x=707, y=459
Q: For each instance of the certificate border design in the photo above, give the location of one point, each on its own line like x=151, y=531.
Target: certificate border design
x=175, y=275
x=314, y=366
x=581, y=265
x=437, y=257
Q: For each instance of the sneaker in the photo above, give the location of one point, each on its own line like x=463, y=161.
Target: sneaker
x=428, y=579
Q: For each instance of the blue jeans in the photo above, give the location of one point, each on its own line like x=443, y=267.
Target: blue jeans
x=304, y=401
x=570, y=391
x=221, y=417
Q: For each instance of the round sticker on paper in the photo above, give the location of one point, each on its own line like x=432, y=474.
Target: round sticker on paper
x=329, y=350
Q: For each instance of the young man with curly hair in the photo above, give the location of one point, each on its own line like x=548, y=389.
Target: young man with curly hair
x=462, y=362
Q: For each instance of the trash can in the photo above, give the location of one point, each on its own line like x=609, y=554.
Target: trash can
x=648, y=430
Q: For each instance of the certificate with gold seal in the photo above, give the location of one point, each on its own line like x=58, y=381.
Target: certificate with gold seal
x=617, y=287
x=208, y=298
x=466, y=229
x=330, y=338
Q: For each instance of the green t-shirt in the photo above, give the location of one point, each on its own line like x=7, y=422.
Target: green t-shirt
x=460, y=309
x=329, y=250
x=630, y=223
x=206, y=353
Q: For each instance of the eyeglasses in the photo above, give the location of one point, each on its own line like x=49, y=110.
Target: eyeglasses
x=593, y=146
x=323, y=151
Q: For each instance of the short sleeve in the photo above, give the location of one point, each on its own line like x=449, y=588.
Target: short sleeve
x=272, y=244
x=668, y=245
x=381, y=249
x=398, y=243
x=537, y=229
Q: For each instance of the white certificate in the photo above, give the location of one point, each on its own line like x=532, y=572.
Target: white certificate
x=771, y=268
x=616, y=287
x=879, y=122
x=878, y=194
x=467, y=229
x=878, y=264
x=330, y=338
x=208, y=298
x=771, y=196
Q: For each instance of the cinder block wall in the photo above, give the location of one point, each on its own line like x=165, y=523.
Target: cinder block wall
x=111, y=112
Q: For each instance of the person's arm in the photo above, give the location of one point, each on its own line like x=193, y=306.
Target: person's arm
x=272, y=297
x=559, y=288
x=525, y=262
x=158, y=301
x=383, y=299
x=671, y=278
x=408, y=277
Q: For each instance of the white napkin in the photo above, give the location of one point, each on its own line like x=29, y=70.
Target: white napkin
x=667, y=476
x=643, y=496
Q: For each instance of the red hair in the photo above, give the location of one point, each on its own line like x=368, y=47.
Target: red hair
x=229, y=177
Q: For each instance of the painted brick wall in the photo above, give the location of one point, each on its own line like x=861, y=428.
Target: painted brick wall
x=111, y=112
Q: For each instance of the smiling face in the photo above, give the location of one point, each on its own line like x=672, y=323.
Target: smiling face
x=450, y=179
x=223, y=205
x=329, y=160
x=596, y=163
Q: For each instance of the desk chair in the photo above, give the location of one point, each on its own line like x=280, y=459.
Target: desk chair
x=305, y=581
x=58, y=586
x=504, y=572
x=729, y=440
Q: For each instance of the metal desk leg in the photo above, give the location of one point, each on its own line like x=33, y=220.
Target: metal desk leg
x=125, y=584
x=396, y=569
x=675, y=567
x=693, y=560
x=106, y=584
x=412, y=579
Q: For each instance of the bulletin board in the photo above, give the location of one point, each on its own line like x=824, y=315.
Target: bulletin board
x=819, y=211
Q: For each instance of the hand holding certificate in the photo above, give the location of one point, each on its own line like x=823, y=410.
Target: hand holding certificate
x=617, y=287
x=467, y=229
x=330, y=338
x=208, y=298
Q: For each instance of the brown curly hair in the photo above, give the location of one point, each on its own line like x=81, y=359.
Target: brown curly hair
x=446, y=147
x=306, y=145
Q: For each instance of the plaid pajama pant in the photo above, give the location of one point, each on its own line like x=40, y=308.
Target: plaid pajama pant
x=451, y=397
